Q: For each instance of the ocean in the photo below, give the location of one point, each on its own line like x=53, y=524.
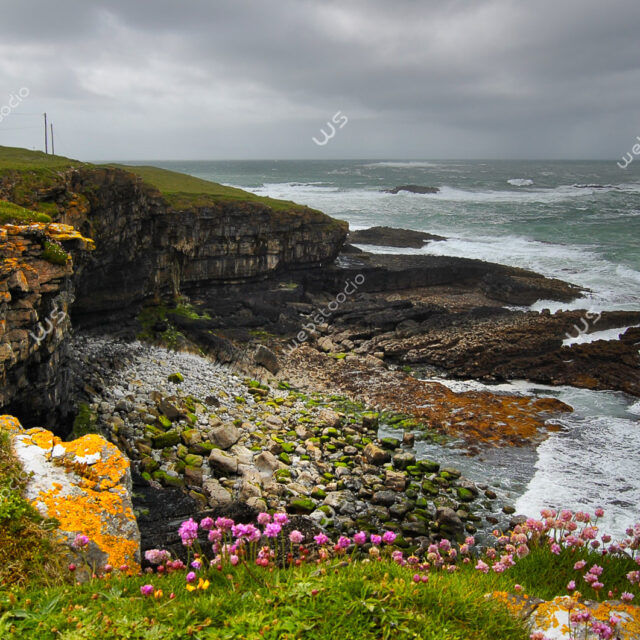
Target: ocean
x=577, y=221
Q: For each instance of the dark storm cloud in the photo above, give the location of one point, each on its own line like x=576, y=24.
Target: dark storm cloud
x=256, y=78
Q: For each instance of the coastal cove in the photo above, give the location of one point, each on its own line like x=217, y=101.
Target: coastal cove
x=578, y=221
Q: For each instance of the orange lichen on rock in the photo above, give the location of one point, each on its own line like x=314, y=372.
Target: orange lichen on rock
x=84, y=484
x=552, y=617
x=476, y=416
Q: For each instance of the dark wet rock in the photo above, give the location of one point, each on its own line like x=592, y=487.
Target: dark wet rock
x=376, y=455
x=390, y=237
x=267, y=359
x=413, y=188
x=449, y=522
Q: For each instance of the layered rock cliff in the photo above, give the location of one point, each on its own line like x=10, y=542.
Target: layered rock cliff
x=36, y=290
x=148, y=243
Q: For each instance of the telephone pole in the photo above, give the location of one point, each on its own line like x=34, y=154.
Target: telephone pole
x=46, y=145
x=53, y=149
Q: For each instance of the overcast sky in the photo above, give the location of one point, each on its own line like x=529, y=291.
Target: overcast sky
x=222, y=79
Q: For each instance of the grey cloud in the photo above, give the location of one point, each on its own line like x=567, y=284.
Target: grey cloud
x=258, y=78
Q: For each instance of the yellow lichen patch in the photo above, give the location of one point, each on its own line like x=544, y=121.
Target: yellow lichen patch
x=553, y=617
x=9, y=423
x=556, y=613
x=111, y=465
x=86, y=513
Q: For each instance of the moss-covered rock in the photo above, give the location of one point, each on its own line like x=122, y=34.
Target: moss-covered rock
x=301, y=505
x=167, y=439
x=176, y=378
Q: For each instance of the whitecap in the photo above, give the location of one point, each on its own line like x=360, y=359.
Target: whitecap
x=520, y=182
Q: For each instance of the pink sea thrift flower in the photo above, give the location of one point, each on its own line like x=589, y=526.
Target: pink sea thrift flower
x=215, y=535
x=206, y=524
x=80, y=541
x=482, y=566
x=389, y=537
x=188, y=532
x=234, y=559
x=146, y=589
x=625, y=596
x=376, y=539
x=280, y=518
x=321, y=539
x=581, y=564
x=296, y=537
x=555, y=548
x=599, y=512
x=343, y=542
x=360, y=538
x=571, y=586
x=272, y=530
x=264, y=518
x=224, y=524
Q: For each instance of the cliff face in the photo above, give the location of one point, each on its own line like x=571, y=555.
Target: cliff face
x=147, y=243
x=146, y=246
x=36, y=290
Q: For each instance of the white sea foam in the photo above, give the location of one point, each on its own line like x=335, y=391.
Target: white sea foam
x=584, y=338
x=407, y=164
x=587, y=465
x=520, y=182
x=635, y=408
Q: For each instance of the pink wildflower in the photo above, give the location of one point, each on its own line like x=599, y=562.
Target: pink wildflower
x=296, y=537
x=571, y=586
x=376, y=539
x=581, y=564
x=360, y=538
x=188, y=532
x=321, y=539
x=146, y=590
x=625, y=596
x=280, y=518
x=389, y=537
x=191, y=576
x=264, y=518
x=343, y=542
x=206, y=524
x=482, y=566
x=272, y=530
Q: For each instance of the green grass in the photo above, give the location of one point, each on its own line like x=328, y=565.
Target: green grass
x=545, y=575
x=26, y=550
x=361, y=601
x=13, y=214
x=20, y=159
x=181, y=190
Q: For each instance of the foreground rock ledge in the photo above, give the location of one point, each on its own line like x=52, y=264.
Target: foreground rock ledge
x=84, y=484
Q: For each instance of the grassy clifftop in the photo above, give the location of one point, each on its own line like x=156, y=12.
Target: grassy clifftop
x=180, y=190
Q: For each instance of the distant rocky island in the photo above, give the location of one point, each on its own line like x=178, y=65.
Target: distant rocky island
x=413, y=188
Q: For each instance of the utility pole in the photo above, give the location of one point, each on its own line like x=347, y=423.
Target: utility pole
x=53, y=149
x=46, y=145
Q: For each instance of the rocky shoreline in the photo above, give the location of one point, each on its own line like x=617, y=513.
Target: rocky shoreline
x=243, y=359
x=190, y=424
